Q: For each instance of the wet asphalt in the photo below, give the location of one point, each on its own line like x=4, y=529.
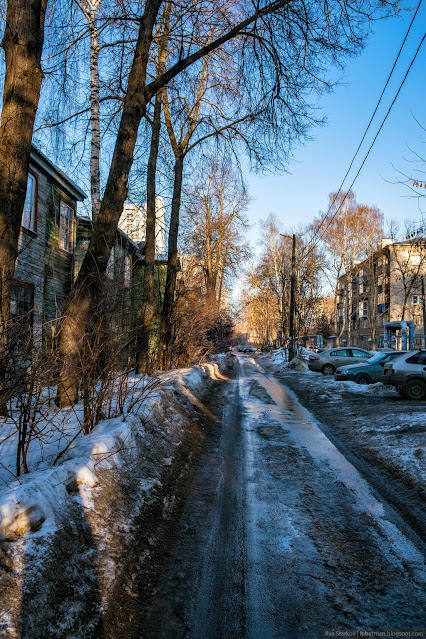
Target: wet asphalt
x=280, y=536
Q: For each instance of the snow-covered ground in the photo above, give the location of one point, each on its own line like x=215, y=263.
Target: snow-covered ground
x=86, y=505
x=373, y=418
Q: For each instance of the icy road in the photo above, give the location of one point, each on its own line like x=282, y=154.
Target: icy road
x=280, y=536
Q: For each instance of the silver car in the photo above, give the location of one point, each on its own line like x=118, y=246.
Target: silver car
x=328, y=361
x=408, y=374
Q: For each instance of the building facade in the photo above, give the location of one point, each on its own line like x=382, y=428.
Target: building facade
x=52, y=244
x=386, y=287
x=45, y=265
x=133, y=223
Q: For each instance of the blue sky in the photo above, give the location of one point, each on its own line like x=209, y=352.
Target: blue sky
x=321, y=164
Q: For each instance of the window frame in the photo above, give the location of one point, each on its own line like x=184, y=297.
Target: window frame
x=26, y=229
x=413, y=358
x=30, y=312
x=61, y=238
x=361, y=352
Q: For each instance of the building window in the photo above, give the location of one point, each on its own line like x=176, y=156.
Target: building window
x=29, y=213
x=363, y=308
x=66, y=228
x=22, y=306
x=127, y=271
x=416, y=299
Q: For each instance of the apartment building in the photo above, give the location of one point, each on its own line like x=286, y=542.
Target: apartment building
x=388, y=286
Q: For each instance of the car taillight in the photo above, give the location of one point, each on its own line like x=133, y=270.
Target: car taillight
x=314, y=358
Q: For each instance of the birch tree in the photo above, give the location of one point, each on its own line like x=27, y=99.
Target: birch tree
x=90, y=8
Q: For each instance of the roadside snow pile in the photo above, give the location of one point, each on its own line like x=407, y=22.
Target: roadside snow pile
x=332, y=390
x=297, y=364
x=304, y=353
x=278, y=356
x=66, y=530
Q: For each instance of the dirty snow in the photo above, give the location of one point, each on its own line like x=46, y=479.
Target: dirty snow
x=37, y=506
x=391, y=429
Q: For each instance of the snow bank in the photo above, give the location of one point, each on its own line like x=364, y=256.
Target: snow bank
x=297, y=364
x=77, y=518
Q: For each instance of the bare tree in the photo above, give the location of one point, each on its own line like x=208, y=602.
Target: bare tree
x=272, y=274
x=215, y=208
x=144, y=358
x=349, y=232
x=22, y=44
x=278, y=32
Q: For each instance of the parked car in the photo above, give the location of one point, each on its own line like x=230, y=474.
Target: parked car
x=368, y=372
x=329, y=360
x=246, y=349
x=408, y=374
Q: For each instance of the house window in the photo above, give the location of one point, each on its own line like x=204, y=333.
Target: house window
x=22, y=306
x=29, y=213
x=127, y=271
x=66, y=228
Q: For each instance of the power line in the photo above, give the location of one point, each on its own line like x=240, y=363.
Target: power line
x=369, y=150
x=369, y=124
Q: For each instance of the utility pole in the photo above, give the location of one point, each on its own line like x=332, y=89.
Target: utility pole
x=291, y=351
x=267, y=322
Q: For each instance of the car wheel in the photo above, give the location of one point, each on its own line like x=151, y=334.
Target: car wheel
x=328, y=369
x=415, y=389
x=363, y=379
x=401, y=392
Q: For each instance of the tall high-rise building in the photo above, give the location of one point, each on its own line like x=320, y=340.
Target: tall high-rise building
x=133, y=223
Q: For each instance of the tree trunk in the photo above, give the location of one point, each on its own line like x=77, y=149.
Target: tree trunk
x=22, y=45
x=85, y=293
x=143, y=355
x=166, y=328
x=95, y=146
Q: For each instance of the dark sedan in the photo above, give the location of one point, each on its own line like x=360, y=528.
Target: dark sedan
x=368, y=372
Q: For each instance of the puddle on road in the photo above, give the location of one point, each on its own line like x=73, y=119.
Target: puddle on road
x=269, y=431
x=256, y=390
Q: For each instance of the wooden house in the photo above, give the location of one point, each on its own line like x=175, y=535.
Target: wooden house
x=45, y=266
